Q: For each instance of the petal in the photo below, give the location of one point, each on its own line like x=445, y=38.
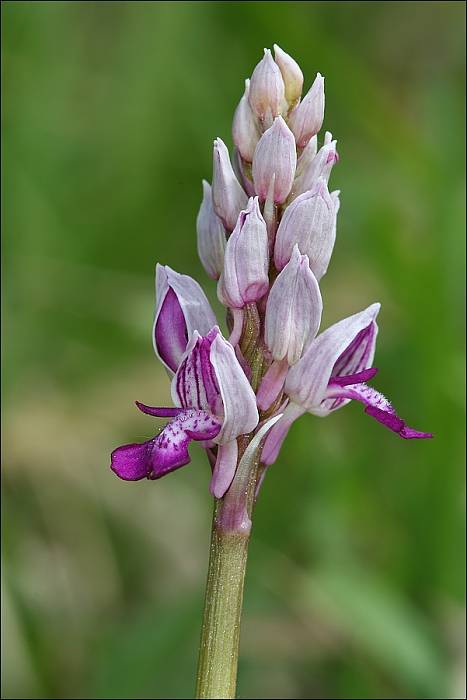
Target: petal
x=293, y=311
x=224, y=469
x=378, y=407
x=159, y=411
x=275, y=154
x=363, y=376
x=131, y=462
x=170, y=334
x=239, y=401
x=195, y=384
x=211, y=235
x=307, y=380
x=166, y=452
x=187, y=309
x=244, y=278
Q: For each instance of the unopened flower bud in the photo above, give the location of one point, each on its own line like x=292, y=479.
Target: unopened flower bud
x=267, y=90
x=228, y=196
x=246, y=263
x=307, y=118
x=211, y=235
x=311, y=169
x=293, y=311
x=308, y=222
x=276, y=155
x=291, y=75
x=245, y=127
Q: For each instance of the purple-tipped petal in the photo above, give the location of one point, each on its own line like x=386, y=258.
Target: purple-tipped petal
x=195, y=384
x=170, y=333
x=337, y=346
x=166, y=452
x=377, y=406
x=159, y=411
x=363, y=376
x=182, y=307
x=224, y=469
x=132, y=462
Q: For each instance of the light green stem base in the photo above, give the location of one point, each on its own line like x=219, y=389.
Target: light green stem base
x=220, y=636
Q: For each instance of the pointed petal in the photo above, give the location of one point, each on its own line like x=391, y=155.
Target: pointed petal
x=291, y=75
x=267, y=90
x=310, y=223
x=293, y=311
x=342, y=345
x=159, y=411
x=245, y=127
x=239, y=401
x=245, y=275
x=307, y=118
x=170, y=331
x=377, y=406
x=224, y=469
x=211, y=235
x=363, y=376
x=228, y=196
x=182, y=307
x=275, y=154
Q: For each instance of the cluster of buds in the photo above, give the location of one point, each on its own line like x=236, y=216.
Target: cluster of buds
x=266, y=231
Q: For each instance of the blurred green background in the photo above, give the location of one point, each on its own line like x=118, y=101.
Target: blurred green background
x=355, y=585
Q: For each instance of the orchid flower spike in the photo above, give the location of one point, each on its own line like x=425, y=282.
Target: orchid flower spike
x=266, y=231
x=213, y=403
x=332, y=372
x=181, y=308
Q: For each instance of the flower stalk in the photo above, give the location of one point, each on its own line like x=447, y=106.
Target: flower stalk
x=220, y=634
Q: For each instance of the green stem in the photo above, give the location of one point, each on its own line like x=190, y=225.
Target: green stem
x=220, y=636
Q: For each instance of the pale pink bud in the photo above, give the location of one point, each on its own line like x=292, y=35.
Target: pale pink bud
x=245, y=127
x=267, y=90
x=211, y=235
x=246, y=263
x=306, y=156
x=311, y=169
x=308, y=222
x=307, y=118
x=276, y=155
x=228, y=196
x=293, y=311
x=291, y=75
